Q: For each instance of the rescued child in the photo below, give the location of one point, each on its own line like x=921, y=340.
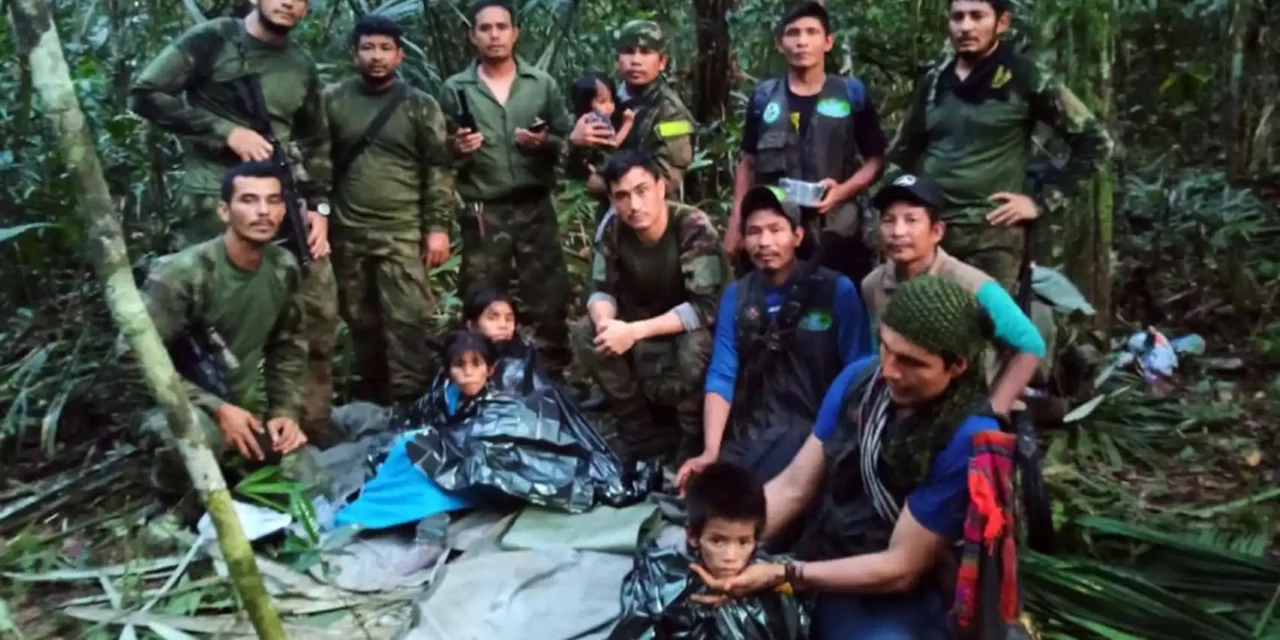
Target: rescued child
x=664, y=594
x=594, y=94
x=400, y=492
x=491, y=313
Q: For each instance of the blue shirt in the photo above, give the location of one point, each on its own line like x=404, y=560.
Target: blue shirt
x=853, y=332
x=941, y=502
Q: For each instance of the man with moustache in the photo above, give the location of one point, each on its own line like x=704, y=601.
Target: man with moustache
x=817, y=127
x=784, y=332
x=393, y=202
x=193, y=89
x=663, y=127
x=506, y=174
x=215, y=285
x=657, y=277
x=969, y=127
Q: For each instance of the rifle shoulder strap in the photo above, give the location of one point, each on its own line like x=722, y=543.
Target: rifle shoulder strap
x=342, y=163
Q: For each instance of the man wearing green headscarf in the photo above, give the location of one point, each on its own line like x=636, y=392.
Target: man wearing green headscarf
x=889, y=453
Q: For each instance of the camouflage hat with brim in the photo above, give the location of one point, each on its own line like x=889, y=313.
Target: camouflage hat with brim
x=642, y=33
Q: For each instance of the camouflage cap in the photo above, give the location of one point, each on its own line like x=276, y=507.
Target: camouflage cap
x=642, y=33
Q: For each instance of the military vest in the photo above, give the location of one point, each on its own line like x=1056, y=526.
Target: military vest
x=827, y=149
x=787, y=361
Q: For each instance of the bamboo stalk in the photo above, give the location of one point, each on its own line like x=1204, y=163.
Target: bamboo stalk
x=38, y=40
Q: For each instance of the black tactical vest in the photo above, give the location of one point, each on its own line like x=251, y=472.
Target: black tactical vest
x=785, y=362
x=827, y=149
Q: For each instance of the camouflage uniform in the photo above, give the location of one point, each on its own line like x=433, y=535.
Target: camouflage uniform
x=663, y=127
x=186, y=90
x=398, y=189
x=266, y=362
x=684, y=273
x=508, y=223
x=1003, y=99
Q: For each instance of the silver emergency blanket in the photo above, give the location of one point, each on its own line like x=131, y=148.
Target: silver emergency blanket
x=521, y=438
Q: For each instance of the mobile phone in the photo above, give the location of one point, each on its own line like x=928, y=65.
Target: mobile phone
x=538, y=126
x=465, y=119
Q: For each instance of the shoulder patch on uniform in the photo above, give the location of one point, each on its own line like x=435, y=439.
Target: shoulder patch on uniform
x=674, y=128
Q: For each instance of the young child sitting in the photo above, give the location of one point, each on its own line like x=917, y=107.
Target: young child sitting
x=491, y=313
x=400, y=492
x=663, y=595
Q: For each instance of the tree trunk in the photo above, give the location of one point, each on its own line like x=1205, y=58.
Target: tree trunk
x=38, y=39
x=713, y=76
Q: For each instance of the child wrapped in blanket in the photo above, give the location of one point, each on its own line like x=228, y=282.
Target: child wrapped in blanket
x=400, y=492
x=726, y=515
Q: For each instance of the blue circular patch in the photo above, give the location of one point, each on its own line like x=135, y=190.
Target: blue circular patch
x=772, y=112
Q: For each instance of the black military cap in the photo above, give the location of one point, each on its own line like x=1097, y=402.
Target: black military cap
x=769, y=197
x=911, y=187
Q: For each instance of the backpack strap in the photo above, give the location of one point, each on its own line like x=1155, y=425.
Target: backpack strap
x=342, y=163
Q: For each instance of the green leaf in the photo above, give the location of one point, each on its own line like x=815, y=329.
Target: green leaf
x=1081, y=412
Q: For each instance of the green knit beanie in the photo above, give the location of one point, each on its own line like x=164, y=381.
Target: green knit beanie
x=939, y=315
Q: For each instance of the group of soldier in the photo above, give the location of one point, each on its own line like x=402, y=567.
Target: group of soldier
x=745, y=367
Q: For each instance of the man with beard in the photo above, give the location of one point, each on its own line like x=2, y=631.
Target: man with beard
x=194, y=89
x=887, y=472
x=662, y=127
x=969, y=127
x=215, y=286
x=815, y=127
x=784, y=332
x=507, y=143
x=657, y=276
x=393, y=204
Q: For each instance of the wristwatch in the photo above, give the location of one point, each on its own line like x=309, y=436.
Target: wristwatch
x=323, y=209
x=793, y=574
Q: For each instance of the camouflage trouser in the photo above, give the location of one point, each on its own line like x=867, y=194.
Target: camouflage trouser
x=995, y=250
x=520, y=241
x=169, y=475
x=385, y=299
x=663, y=373
x=319, y=301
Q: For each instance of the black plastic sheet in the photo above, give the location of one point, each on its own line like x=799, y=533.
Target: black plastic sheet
x=522, y=438
x=656, y=602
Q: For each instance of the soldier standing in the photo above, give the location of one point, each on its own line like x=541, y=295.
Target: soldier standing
x=511, y=124
x=816, y=127
x=969, y=128
x=195, y=89
x=662, y=127
x=393, y=201
x=657, y=277
x=210, y=288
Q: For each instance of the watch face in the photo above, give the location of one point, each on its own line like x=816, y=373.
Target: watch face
x=322, y=209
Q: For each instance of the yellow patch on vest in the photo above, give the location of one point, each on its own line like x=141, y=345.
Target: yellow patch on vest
x=1002, y=77
x=674, y=128
x=795, y=121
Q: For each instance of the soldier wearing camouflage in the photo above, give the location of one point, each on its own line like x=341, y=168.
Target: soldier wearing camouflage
x=188, y=91
x=218, y=283
x=972, y=134
x=657, y=277
x=393, y=204
x=506, y=175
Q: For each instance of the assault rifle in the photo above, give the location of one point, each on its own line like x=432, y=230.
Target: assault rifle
x=289, y=168
x=198, y=352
